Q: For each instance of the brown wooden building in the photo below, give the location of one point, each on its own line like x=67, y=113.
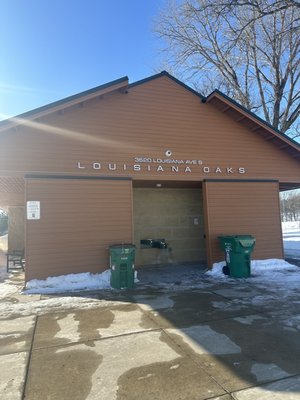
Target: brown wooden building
x=126, y=162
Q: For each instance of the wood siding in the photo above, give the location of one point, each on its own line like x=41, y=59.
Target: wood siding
x=79, y=220
x=125, y=134
x=16, y=234
x=152, y=117
x=246, y=208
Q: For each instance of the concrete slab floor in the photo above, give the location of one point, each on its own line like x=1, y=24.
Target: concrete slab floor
x=191, y=307
x=12, y=376
x=230, y=354
x=16, y=334
x=223, y=342
x=85, y=325
x=249, y=350
x=144, y=366
x=286, y=389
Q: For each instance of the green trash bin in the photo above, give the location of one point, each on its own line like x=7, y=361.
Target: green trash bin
x=238, y=249
x=122, y=265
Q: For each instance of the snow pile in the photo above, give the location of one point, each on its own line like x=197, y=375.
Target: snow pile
x=6, y=285
x=272, y=273
x=7, y=288
x=3, y=242
x=291, y=239
x=217, y=271
x=70, y=283
x=290, y=225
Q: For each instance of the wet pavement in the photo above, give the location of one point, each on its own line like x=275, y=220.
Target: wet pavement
x=225, y=340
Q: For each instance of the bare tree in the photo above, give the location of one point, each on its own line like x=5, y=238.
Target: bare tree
x=248, y=49
x=290, y=206
x=262, y=7
x=3, y=222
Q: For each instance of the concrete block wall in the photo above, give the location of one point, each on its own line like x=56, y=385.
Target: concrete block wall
x=175, y=215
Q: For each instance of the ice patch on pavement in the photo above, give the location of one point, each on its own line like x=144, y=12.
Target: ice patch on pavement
x=249, y=319
x=293, y=322
x=154, y=302
x=265, y=372
x=40, y=307
x=204, y=340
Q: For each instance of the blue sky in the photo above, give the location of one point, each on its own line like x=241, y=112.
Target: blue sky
x=51, y=49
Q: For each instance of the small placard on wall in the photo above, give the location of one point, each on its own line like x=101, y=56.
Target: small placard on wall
x=33, y=210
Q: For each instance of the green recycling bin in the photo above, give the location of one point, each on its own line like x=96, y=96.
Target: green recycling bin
x=122, y=265
x=238, y=249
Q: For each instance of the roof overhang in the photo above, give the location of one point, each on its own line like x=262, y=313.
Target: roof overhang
x=253, y=122
x=58, y=106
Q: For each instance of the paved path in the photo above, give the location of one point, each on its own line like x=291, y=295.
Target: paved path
x=229, y=342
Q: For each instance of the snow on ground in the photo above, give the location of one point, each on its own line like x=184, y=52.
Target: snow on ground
x=6, y=286
x=3, y=243
x=291, y=239
x=34, y=305
x=71, y=282
x=289, y=225
x=15, y=301
x=274, y=279
x=272, y=274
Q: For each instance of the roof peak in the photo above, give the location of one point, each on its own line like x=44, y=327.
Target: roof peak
x=167, y=74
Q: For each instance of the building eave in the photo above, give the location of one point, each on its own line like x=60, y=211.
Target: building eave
x=119, y=84
x=247, y=118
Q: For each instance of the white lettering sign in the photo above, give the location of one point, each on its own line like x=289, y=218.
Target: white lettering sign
x=190, y=168
x=162, y=165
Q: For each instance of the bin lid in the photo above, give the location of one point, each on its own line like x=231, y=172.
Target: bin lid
x=247, y=242
x=122, y=246
x=236, y=237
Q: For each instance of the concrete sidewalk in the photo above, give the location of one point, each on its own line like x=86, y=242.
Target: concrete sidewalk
x=228, y=342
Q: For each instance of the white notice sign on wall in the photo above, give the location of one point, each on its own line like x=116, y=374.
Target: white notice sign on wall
x=33, y=210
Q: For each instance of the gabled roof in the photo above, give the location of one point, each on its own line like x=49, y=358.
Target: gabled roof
x=256, y=124
x=118, y=84
x=222, y=102
x=165, y=73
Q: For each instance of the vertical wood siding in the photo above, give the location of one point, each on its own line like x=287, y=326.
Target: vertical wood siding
x=243, y=208
x=79, y=220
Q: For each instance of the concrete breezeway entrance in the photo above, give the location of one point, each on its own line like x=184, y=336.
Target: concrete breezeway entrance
x=172, y=213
